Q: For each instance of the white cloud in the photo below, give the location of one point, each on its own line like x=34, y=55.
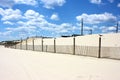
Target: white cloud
x=96, y=1
x=7, y=33
x=118, y=5
x=108, y=29
x=97, y=18
x=10, y=14
x=54, y=17
x=111, y=1
x=8, y=22
x=31, y=14
x=50, y=4
x=27, y=2
x=33, y=22
x=10, y=3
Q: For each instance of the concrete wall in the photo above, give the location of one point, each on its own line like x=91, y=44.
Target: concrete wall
x=24, y=45
x=48, y=45
x=110, y=46
x=38, y=44
x=30, y=44
x=87, y=45
x=64, y=45
x=18, y=46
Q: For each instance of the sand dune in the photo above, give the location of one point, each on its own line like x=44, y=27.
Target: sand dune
x=29, y=65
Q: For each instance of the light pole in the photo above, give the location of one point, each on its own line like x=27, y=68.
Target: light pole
x=90, y=31
x=82, y=27
x=117, y=27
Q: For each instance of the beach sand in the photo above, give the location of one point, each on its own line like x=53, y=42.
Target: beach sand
x=30, y=65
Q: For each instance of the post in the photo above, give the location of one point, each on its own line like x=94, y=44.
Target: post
x=42, y=44
x=74, y=45
x=54, y=45
x=21, y=44
x=33, y=44
x=26, y=43
x=15, y=46
x=99, y=52
x=82, y=27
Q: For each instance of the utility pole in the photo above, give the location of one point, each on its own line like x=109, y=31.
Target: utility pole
x=90, y=31
x=117, y=27
x=82, y=27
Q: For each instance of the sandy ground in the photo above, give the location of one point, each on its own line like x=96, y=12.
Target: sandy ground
x=29, y=65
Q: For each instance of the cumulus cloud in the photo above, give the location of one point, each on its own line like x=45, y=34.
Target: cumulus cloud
x=108, y=29
x=27, y=2
x=8, y=22
x=118, y=5
x=96, y=1
x=10, y=3
x=54, y=17
x=10, y=14
x=31, y=14
x=97, y=18
x=33, y=22
x=50, y=4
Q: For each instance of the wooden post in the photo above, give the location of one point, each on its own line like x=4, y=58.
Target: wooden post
x=21, y=44
x=42, y=44
x=54, y=45
x=33, y=44
x=15, y=46
x=74, y=45
x=99, y=52
x=26, y=44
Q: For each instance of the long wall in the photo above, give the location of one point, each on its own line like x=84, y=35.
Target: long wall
x=105, y=46
x=110, y=46
x=87, y=45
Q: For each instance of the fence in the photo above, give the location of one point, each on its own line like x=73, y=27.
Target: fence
x=105, y=46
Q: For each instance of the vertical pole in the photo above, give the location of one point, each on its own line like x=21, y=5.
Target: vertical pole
x=21, y=44
x=117, y=28
x=15, y=46
x=90, y=31
x=33, y=44
x=82, y=27
x=42, y=44
x=54, y=45
x=99, y=52
x=26, y=44
x=74, y=45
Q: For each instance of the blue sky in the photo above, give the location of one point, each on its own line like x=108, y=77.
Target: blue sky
x=53, y=18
